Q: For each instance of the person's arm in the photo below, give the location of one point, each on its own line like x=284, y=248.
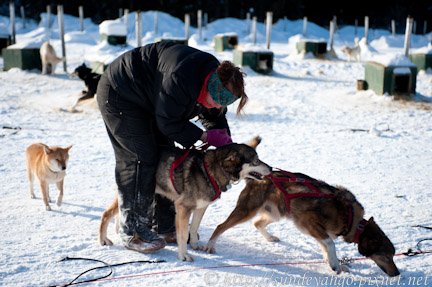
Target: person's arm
x=172, y=113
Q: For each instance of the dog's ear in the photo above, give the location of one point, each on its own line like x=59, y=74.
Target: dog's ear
x=84, y=65
x=68, y=147
x=253, y=143
x=47, y=150
x=371, y=220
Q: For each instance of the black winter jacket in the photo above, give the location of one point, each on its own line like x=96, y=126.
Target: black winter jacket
x=165, y=80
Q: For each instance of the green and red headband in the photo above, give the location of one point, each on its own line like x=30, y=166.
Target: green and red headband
x=219, y=93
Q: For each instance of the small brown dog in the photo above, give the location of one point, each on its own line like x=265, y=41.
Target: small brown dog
x=49, y=166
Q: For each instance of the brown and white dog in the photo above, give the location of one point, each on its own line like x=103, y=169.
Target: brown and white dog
x=48, y=164
x=49, y=58
x=196, y=185
x=317, y=209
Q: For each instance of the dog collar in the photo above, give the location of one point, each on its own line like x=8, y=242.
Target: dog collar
x=359, y=230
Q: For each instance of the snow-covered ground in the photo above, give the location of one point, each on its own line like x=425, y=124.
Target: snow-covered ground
x=305, y=112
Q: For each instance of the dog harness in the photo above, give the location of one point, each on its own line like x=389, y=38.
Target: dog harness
x=316, y=193
x=178, y=161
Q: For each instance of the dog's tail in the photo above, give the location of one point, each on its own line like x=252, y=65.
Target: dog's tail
x=253, y=143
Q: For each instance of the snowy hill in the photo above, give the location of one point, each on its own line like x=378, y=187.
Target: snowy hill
x=312, y=120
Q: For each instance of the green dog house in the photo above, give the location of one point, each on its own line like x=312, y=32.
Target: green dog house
x=423, y=61
x=259, y=61
x=21, y=56
x=113, y=31
x=227, y=41
x=5, y=40
x=398, y=80
x=316, y=47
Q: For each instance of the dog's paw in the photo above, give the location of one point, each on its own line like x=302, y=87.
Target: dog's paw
x=59, y=202
x=185, y=257
x=272, y=238
x=210, y=249
x=32, y=196
x=48, y=208
x=106, y=242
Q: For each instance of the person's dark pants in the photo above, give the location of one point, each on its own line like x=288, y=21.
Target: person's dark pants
x=136, y=142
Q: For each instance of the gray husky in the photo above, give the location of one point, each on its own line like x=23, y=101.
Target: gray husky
x=195, y=184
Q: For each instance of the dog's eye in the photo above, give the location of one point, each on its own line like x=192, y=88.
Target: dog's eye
x=256, y=162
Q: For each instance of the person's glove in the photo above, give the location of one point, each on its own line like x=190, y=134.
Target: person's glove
x=218, y=137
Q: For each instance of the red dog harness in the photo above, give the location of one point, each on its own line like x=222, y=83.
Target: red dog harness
x=316, y=193
x=181, y=159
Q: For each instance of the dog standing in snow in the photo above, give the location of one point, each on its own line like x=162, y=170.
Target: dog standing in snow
x=49, y=166
x=49, y=58
x=353, y=52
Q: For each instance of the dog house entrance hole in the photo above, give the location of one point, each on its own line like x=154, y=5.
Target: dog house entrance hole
x=322, y=48
x=265, y=62
x=232, y=41
x=401, y=81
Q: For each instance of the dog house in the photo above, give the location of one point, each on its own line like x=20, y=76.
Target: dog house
x=227, y=41
x=182, y=41
x=25, y=57
x=396, y=80
x=423, y=61
x=5, y=40
x=259, y=61
x=113, y=31
x=317, y=48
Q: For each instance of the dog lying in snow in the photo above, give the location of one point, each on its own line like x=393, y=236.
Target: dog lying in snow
x=49, y=58
x=317, y=209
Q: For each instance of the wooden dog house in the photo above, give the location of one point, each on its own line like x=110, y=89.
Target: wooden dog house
x=317, y=48
x=397, y=80
x=113, y=31
x=423, y=61
x=259, y=61
x=227, y=41
x=22, y=56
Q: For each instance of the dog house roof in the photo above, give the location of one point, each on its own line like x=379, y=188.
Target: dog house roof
x=392, y=60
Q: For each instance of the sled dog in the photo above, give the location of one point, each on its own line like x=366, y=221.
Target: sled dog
x=317, y=209
x=194, y=186
x=48, y=164
x=49, y=58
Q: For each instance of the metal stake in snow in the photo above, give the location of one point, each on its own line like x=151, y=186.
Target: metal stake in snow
x=305, y=25
x=156, y=22
x=269, y=24
x=366, y=27
x=393, y=27
x=81, y=17
x=424, y=27
x=23, y=17
x=187, y=26
x=205, y=21
x=126, y=20
x=48, y=17
x=414, y=27
x=408, y=30
x=285, y=23
x=120, y=13
x=199, y=24
x=254, y=30
x=61, y=27
x=138, y=27
x=12, y=21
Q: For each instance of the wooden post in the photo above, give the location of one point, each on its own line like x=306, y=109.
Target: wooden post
x=120, y=13
x=81, y=17
x=366, y=26
x=156, y=22
x=408, y=30
x=48, y=17
x=332, y=31
x=355, y=27
x=60, y=17
x=269, y=24
x=254, y=30
x=424, y=27
x=248, y=23
x=126, y=20
x=414, y=27
x=304, y=26
x=187, y=26
x=285, y=23
x=199, y=24
x=138, y=27
x=393, y=27
x=335, y=23
x=12, y=21
x=205, y=20
x=23, y=17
